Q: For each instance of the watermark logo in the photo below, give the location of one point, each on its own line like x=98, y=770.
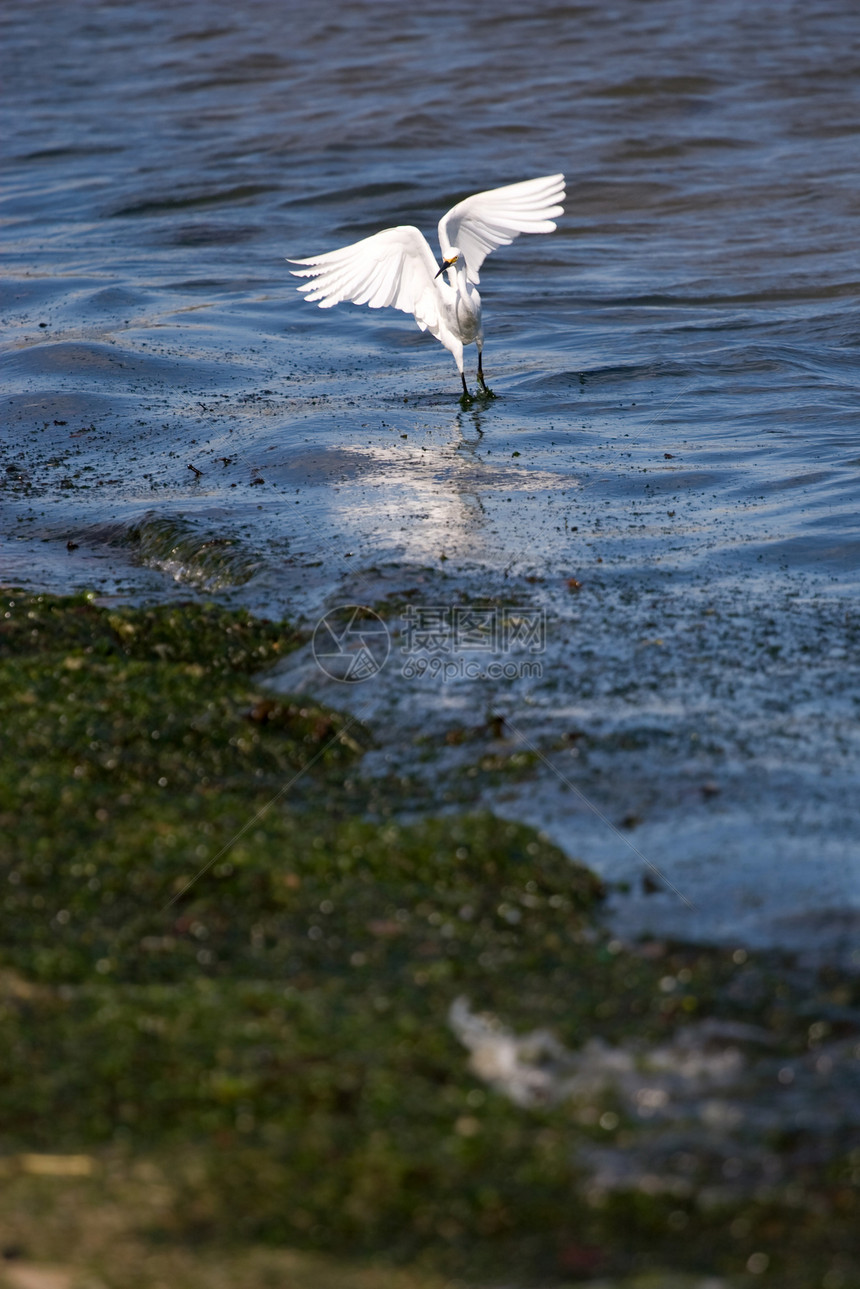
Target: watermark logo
x=472, y=642
x=437, y=642
x=351, y=643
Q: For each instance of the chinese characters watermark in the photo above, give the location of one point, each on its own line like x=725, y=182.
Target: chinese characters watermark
x=472, y=642
x=437, y=642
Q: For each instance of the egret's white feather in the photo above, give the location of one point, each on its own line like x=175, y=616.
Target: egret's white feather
x=393, y=268
x=486, y=220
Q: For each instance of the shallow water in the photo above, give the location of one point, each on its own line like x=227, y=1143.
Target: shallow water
x=675, y=425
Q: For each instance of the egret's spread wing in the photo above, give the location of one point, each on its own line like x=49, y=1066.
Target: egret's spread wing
x=479, y=224
x=395, y=267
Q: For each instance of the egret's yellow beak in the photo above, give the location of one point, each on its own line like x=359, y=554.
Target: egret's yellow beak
x=446, y=264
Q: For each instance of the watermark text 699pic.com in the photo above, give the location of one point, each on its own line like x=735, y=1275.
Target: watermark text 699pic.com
x=438, y=642
x=472, y=642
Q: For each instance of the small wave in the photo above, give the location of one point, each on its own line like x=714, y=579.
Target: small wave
x=165, y=204
x=89, y=361
x=203, y=559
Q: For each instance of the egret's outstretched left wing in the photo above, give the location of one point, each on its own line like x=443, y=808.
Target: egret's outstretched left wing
x=395, y=267
x=479, y=224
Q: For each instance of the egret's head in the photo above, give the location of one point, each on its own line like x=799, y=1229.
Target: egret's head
x=452, y=259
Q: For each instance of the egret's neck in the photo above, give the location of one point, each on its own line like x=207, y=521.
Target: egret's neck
x=457, y=278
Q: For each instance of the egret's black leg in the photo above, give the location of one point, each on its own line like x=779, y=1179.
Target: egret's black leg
x=465, y=386
x=485, y=389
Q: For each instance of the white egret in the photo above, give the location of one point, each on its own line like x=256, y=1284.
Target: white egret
x=396, y=267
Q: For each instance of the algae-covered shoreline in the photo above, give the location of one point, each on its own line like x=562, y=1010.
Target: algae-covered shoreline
x=261, y=1058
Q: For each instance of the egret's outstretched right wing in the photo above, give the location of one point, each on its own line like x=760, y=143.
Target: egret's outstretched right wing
x=479, y=224
x=395, y=267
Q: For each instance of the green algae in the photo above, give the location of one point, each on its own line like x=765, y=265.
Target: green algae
x=213, y=960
